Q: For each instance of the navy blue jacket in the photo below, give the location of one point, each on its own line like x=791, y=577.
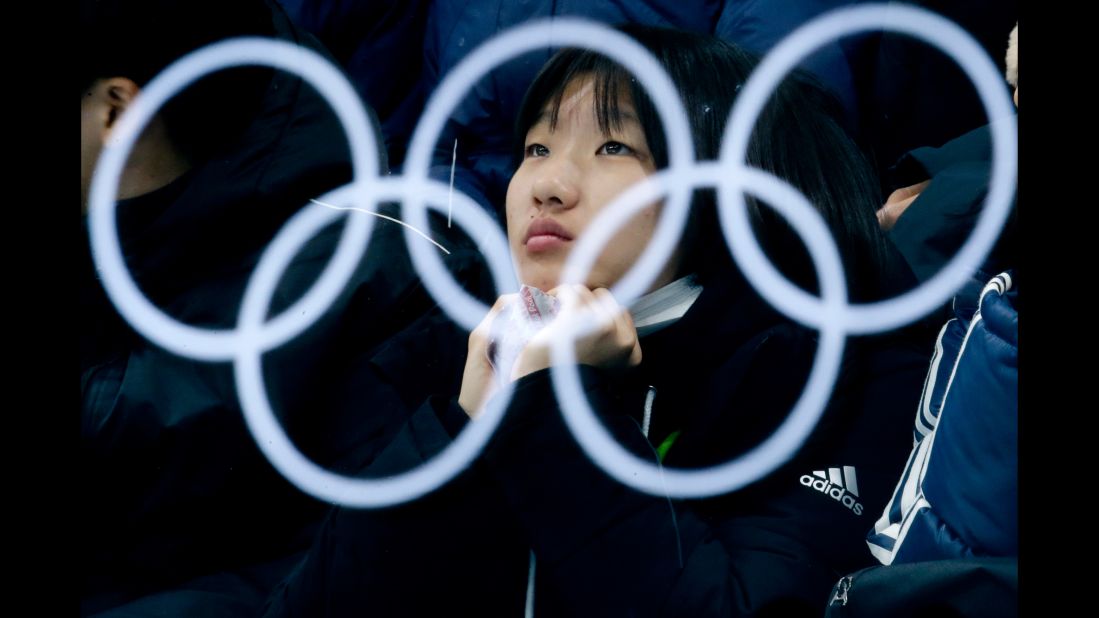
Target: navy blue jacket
x=958, y=496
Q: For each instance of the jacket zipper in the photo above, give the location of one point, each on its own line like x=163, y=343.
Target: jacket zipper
x=839, y=595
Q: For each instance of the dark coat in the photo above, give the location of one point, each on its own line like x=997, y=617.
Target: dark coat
x=725, y=375
x=172, y=485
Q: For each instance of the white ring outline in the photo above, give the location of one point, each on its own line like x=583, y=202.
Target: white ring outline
x=861, y=319
x=247, y=343
x=532, y=36
x=640, y=474
x=252, y=337
x=147, y=319
x=831, y=315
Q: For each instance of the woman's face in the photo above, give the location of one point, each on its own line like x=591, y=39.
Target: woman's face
x=568, y=175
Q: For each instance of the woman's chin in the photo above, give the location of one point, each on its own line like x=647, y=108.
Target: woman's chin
x=542, y=283
x=538, y=276
x=547, y=281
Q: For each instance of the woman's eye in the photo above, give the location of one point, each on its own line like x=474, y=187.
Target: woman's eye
x=537, y=150
x=615, y=148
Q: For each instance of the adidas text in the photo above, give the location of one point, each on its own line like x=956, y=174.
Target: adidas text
x=837, y=493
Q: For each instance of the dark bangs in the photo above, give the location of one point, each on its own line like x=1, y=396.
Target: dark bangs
x=686, y=57
x=611, y=82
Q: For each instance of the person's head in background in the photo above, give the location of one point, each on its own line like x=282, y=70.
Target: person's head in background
x=587, y=130
x=124, y=45
x=1012, y=62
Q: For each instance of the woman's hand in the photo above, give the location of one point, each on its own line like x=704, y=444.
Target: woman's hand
x=613, y=343
x=478, y=383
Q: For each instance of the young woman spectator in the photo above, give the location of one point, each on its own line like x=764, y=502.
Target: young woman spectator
x=707, y=379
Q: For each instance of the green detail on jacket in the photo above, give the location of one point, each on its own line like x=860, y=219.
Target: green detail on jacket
x=662, y=450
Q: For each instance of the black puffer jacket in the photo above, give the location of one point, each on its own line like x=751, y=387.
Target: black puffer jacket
x=725, y=375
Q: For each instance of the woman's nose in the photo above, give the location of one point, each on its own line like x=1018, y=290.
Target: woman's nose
x=557, y=185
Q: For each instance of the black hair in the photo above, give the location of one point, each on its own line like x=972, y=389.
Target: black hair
x=799, y=137
x=137, y=39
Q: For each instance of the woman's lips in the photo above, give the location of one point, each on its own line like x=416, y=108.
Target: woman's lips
x=546, y=235
x=545, y=242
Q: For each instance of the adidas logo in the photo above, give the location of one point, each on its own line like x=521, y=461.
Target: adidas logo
x=840, y=486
